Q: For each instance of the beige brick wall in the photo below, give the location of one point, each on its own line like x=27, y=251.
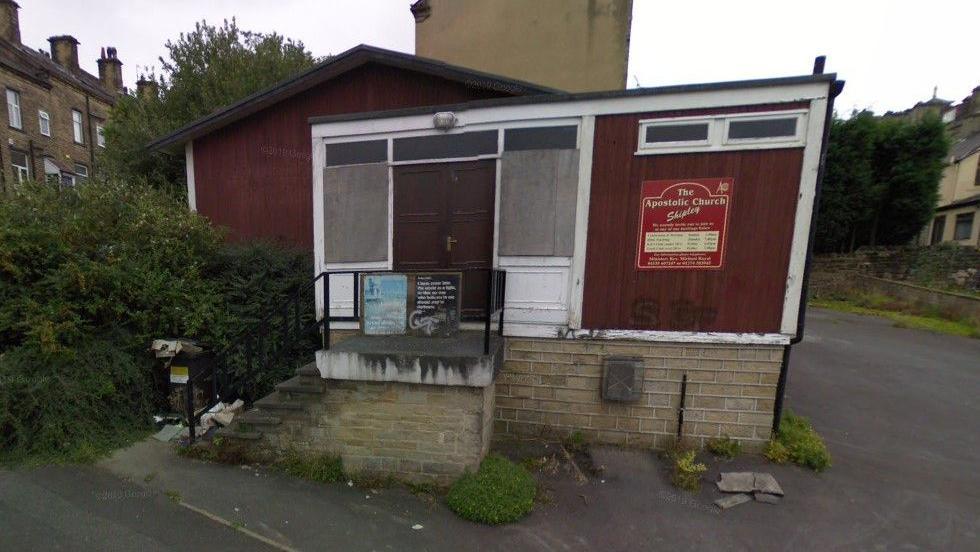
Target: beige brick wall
x=58, y=101
x=551, y=387
x=413, y=432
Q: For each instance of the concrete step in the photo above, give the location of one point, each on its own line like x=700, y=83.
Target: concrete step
x=308, y=370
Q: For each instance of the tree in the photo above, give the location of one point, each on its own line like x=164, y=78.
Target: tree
x=881, y=181
x=205, y=69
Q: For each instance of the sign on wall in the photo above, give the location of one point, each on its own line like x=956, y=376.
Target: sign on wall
x=385, y=298
x=683, y=223
x=434, y=299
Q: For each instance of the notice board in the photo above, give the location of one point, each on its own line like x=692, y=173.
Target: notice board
x=420, y=304
x=684, y=224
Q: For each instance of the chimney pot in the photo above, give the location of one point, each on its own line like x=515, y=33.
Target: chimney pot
x=9, y=21
x=110, y=70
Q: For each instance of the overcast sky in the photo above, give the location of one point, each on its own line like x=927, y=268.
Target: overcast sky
x=891, y=53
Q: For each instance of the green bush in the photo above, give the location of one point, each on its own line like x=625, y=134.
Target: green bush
x=71, y=405
x=799, y=443
x=499, y=492
x=725, y=447
x=88, y=276
x=687, y=470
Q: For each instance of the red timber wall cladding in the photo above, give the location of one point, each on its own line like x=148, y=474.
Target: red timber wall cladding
x=746, y=294
x=254, y=175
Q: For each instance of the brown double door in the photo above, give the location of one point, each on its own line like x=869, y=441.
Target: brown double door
x=443, y=220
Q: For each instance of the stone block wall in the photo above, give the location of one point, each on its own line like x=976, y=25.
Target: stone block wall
x=421, y=433
x=552, y=388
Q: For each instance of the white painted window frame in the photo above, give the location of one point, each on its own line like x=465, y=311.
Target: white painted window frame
x=718, y=133
x=694, y=145
x=77, y=126
x=44, y=122
x=100, y=135
x=14, y=112
x=83, y=173
x=797, y=139
x=23, y=172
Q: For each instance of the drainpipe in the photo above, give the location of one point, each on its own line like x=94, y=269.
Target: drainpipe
x=835, y=89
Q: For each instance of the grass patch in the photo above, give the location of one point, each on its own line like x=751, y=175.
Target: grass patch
x=575, y=441
x=687, y=471
x=799, y=443
x=904, y=316
x=172, y=495
x=725, y=447
x=499, y=492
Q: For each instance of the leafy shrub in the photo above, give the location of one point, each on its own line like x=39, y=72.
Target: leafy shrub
x=88, y=276
x=499, y=492
x=801, y=443
x=776, y=452
x=725, y=447
x=71, y=405
x=688, y=471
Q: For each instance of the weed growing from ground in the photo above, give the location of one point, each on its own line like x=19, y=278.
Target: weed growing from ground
x=725, y=447
x=688, y=471
x=797, y=442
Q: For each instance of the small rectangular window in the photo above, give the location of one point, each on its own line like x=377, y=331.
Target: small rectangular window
x=676, y=133
x=76, y=126
x=445, y=146
x=757, y=129
x=938, y=227
x=558, y=137
x=44, y=122
x=81, y=171
x=100, y=135
x=357, y=153
x=18, y=161
x=964, y=226
x=14, y=118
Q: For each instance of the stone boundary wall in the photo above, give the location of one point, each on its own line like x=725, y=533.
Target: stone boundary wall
x=955, y=305
x=552, y=388
x=957, y=267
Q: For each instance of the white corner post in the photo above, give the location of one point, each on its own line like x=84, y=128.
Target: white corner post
x=189, y=165
x=586, y=141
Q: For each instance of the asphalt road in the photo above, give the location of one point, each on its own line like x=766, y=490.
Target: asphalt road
x=899, y=410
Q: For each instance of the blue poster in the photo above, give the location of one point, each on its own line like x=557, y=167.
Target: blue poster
x=385, y=300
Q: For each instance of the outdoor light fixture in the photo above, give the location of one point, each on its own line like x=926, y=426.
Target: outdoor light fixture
x=444, y=120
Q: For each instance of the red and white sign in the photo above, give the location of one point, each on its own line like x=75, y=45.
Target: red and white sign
x=683, y=223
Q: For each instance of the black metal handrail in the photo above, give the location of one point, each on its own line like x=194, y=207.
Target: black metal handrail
x=270, y=339
x=494, y=307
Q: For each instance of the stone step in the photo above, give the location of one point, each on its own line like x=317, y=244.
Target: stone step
x=308, y=370
x=253, y=417
x=294, y=386
x=234, y=433
x=278, y=403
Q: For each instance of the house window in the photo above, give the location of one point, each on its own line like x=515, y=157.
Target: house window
x=723, y=131
x=356, y=153
x=964, y=226
x=445, y=146
x=81, y=171
x=18, y=161
x=100, y=135
x=13, y=109
x=938, y=226
x=44, y=122
x=52, y=174
x=556, y=137
x=76, y=126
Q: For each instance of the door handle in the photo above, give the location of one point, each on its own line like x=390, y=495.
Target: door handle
x=449, y=243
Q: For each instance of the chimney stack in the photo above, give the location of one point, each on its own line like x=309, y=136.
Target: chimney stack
x=64, y=51
x=110, y=70
x=147, y=89
x=9, y=21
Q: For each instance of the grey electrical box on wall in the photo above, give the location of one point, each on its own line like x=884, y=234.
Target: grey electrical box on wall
x=622, y=378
